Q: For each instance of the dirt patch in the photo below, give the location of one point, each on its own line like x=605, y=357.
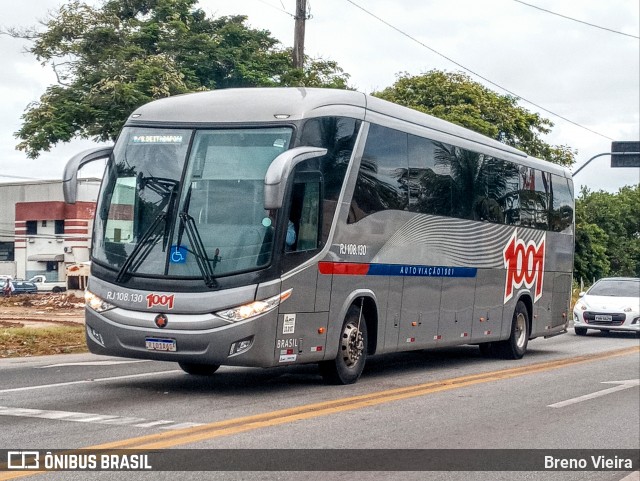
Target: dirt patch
x=41, y=324
x=41, y=310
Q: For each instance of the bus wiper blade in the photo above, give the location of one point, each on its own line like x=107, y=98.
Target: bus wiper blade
x=160, y=185
x=173, y=194
x=204, y=263
x=143, y=244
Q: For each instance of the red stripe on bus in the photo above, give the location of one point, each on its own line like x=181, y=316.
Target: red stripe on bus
x=343, y=268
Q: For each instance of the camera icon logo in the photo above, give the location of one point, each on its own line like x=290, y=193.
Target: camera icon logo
x=23, y=460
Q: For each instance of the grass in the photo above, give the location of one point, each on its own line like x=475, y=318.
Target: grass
x=26, y=341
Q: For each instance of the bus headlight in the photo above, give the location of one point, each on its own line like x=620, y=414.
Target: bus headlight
x=253, y=309
x=96, y=303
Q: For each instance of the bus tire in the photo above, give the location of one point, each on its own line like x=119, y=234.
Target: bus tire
x=580, y=331
x=516, y=345
x=199, y=369
x=352, y=351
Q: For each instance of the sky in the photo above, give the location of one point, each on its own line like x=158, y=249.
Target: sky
x=587, y=75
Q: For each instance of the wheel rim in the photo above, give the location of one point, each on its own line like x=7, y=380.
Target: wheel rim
x=352, y=345
x=520, y=331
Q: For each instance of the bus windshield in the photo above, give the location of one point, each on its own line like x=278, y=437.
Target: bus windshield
x=161, y=213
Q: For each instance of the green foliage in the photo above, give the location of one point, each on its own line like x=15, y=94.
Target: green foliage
x=458, y=99
x=608, y=233
x=590, y=261
x=111, y=59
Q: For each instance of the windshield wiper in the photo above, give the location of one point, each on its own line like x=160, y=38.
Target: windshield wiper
x=167, y=188
x=147, y=242
x=202, y=259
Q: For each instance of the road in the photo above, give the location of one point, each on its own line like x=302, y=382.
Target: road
x=450, y=398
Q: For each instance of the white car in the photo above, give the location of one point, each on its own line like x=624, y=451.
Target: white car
x=611, y=304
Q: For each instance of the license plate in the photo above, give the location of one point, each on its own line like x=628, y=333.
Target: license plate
x=154, y=344
x=600, y=317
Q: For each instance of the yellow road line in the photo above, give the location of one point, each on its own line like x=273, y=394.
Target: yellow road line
x=204, y=432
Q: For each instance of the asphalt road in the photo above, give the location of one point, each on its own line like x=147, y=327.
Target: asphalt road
x=441, y=399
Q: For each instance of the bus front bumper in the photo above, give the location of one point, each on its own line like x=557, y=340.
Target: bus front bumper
x=245, y=343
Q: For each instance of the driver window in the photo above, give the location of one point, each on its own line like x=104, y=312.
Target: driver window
x=304, y=219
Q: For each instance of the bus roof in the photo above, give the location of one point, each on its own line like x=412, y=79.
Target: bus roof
x=256, y=105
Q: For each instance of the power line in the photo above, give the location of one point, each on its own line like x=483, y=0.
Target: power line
x=475, y=73
x=277, y=8
x=576, y=20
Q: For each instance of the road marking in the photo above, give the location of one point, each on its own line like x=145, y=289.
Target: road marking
x=85, y=381
x=93, y=418
x=94, y=363
x=269, y=419
x=635, y=476
x=209, y=431
x=622, y=385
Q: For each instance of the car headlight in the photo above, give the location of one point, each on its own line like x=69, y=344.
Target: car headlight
x=628, y=309
x=96, y=303
x=253, y=309
x=581, y=306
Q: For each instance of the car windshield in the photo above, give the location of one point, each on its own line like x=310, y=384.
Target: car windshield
x=616, y=288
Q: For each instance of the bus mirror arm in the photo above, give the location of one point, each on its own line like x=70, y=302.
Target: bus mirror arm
x=275, y=180
x=75, y=163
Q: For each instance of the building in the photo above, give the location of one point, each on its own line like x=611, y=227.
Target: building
x=39, y=232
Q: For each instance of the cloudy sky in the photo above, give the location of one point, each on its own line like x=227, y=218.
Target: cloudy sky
x=587, y=75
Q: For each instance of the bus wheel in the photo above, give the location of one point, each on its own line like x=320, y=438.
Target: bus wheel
x=352, y=351
x=516, y=345
x=198, y=369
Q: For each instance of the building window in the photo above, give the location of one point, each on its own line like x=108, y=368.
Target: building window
x=7, y=251
x=32, y=227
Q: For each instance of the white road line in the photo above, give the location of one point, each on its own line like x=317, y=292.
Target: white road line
x=634, y=476
x=622, y=385
x=85, y=381
x=92, y=418
x=153, y=423
x=93, y=363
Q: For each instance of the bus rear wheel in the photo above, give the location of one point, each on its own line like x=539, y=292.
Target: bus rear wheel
x=516, y=345
x=347, y=367
x=199, y=369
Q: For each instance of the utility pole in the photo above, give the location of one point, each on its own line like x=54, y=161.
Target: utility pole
x=298, y=36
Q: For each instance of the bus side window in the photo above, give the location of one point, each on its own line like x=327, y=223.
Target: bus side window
x=562, y=213
x=305, y=215
x=382, y=179
x=309, y=218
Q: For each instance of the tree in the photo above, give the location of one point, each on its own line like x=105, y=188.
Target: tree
x=608, y=233
x=590, y=261
x=111, y=59
x=458, y=99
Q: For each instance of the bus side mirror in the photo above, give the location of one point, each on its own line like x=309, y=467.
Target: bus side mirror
x=70, y=176
x=275, y=180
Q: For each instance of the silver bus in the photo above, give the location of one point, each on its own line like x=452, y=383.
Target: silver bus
x=272, y=227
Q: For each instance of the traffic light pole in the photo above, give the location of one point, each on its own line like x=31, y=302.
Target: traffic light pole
x=601, y=155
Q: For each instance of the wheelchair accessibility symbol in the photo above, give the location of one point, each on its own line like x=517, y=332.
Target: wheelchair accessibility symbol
x=178, y=255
